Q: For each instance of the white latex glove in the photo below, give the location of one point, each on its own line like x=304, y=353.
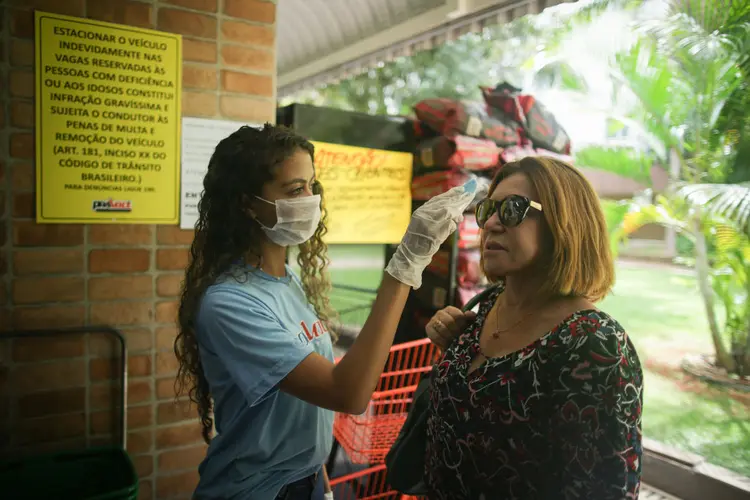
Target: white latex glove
x=430, y=226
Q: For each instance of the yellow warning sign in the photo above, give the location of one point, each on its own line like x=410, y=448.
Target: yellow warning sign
x=107, y=122
x=367, y=193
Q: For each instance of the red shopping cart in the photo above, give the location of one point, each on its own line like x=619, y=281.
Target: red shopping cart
x=366, y=438
x=367, y=484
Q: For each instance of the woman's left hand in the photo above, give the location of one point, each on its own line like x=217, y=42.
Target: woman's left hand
x=447, y=324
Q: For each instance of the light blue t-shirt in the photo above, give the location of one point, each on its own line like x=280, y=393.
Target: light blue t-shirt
x=253, y=329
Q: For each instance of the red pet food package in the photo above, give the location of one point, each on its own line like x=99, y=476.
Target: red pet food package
x=539, y=123
x=544, y=152
x=464, y=295
x=468, y=267
x=468, y=232
x=429, y=185
x=452, y=118
x=457, y=152
x=516, y=153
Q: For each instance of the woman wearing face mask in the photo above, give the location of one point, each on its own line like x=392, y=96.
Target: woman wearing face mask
x=254, y=343
x=539, y=395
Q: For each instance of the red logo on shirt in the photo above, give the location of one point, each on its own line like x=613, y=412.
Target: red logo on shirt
x=308, y=334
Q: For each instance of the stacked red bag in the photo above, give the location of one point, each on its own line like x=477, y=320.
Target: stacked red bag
x=457, y=139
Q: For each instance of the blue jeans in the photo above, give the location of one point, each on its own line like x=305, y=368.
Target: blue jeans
x=309, y=488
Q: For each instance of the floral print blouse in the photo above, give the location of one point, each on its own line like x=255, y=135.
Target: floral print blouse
x=560, y=418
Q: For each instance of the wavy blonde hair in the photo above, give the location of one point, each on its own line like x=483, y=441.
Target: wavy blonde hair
x=579, y=261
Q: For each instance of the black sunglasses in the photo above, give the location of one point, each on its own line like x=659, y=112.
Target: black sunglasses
x=511, y=210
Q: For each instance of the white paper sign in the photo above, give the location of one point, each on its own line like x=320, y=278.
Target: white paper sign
x=199, y=139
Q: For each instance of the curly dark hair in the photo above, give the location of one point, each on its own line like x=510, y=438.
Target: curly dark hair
x=239, y=168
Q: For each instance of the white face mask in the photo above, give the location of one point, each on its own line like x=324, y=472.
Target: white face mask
x=296, y=220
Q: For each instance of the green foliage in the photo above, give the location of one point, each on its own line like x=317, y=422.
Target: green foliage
x=626, y=162
x=614, y=212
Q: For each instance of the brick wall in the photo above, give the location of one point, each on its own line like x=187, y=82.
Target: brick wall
x=57, y=393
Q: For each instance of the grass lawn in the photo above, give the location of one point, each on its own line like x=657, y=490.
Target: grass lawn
x=662, y=311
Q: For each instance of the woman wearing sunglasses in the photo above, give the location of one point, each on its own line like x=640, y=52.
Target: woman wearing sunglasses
x=539, y=394
x=254, y=344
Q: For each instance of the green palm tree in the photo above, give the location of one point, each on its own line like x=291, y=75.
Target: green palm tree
x=688, y=73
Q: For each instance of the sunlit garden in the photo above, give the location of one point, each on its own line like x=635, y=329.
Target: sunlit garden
x=661, y=309
x=656, y=93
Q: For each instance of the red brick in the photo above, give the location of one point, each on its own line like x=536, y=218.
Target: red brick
x=166, y=312
x=172, y=259
x=181, y=459
x=120, y=287
x=37, y=377
x=254, y=110
x=178, y=435
x=165, y=388
x=166, y=363
x=22, y=176
x=69, y=7
x=120, y=12
x=54, y=428
x=173, y=235
x=244, y=83
x=24, y=205
x=187, y=23
x=31, y=318
x=204, y=5
x=182, y=483
x=252, y=34
x=22, y=145
x=121, y=313
x=106, y=422
x=104, y=396
x=144, y=465
x=42, y=404
x=248, y=57
x=198, y=51
x=119, y=261
x=30, y=234
x=169, y=285
x=120, y=234
x=199, y=77
x=22, y=23
x=21, y=52
x=165, y=336
x=21, y=83
x=139, y=366
x=136, y=339
x=252, y=10
x=47, y=261
x=198, y=104
x=146, y=490
x=103, y=369
x=39, y=290
x=140, y=391
x=22, y=114
x=140, y=441
x=5, y=320
x=171, y=412
x=34, y=349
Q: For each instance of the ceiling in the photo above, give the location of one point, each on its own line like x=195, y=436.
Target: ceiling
x=322, y=40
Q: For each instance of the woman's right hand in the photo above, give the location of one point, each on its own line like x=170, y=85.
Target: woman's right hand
x=430, y=226
x=447, y=324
